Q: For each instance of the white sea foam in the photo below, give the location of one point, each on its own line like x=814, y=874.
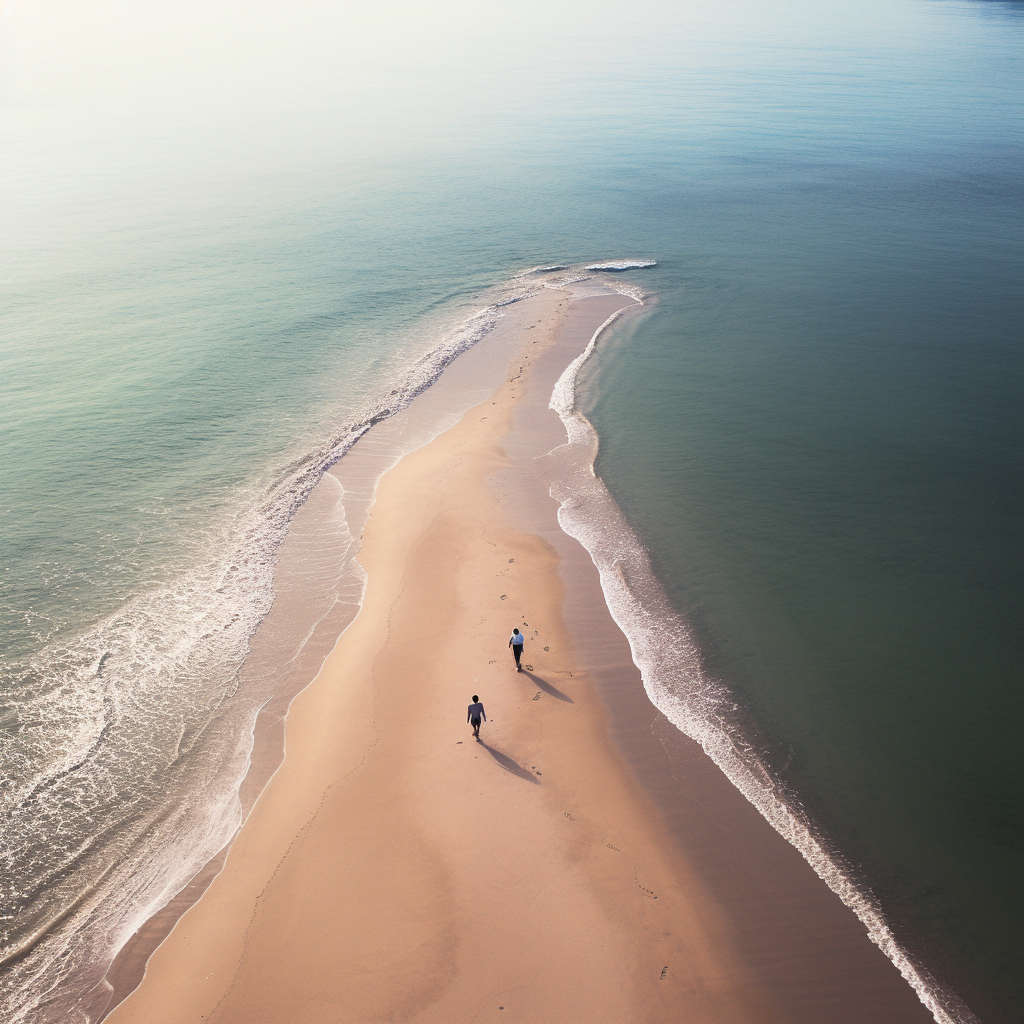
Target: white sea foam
x=122, y=778
x=622, y=265
x=631, y=291
x=564, y=282
x=664, y=650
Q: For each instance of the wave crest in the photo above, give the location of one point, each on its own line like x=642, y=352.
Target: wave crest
x=614, y=265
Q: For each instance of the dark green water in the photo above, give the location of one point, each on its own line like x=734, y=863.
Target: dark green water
x=826, y=466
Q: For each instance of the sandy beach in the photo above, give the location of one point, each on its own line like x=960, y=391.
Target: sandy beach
x=583, y=862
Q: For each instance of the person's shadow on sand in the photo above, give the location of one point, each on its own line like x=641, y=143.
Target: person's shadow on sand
x=547, y=687
x=509, y=765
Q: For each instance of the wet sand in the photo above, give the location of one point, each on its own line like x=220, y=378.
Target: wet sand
x=585, y=862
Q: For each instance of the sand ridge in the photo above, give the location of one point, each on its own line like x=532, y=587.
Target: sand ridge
x=394, y=869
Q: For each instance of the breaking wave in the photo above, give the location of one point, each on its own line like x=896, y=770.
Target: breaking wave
x=623, y=265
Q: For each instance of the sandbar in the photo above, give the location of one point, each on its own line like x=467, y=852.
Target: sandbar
x=583, y=862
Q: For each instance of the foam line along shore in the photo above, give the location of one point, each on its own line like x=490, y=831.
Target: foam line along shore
x=664, y=649
x=134, y=785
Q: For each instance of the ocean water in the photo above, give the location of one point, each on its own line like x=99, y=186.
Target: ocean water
x=229, y=240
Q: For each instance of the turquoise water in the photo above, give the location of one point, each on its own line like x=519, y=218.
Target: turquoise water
x=226, y=241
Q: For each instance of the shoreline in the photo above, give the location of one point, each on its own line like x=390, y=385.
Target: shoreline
x=613, y=679
x=337, y=505
x=818, y=960
x=385, y=917
x=669, y=666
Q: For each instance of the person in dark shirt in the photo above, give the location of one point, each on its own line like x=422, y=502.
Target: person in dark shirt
x=476, y=715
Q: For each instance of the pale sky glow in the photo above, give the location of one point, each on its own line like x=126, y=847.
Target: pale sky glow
x=169, y=82
x=228, y=52
x=106, y=91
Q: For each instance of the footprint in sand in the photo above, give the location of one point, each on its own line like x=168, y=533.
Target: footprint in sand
x=511, y=560
x=569, y=816
x=503, y=596
x=538, y=696
x=547, y=648
x=529, y=668
x=664, y=973
x=643, y=887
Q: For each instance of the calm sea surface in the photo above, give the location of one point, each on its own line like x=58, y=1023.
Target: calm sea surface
x=227, y=238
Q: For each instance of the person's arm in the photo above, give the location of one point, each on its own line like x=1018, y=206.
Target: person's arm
x=510, y=641
x=483, y=714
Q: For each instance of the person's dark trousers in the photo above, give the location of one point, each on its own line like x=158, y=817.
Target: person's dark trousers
x=517, y=650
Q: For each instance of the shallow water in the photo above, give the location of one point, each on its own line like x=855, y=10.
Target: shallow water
x=219, y=260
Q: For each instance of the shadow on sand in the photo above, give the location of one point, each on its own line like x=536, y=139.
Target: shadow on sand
x=509, y=765
x=547, y=687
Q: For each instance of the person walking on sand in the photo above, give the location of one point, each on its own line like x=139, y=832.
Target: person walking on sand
x=516, y=642
x=476, y=714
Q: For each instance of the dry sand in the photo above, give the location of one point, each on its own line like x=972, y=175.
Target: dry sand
x=396, y=870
